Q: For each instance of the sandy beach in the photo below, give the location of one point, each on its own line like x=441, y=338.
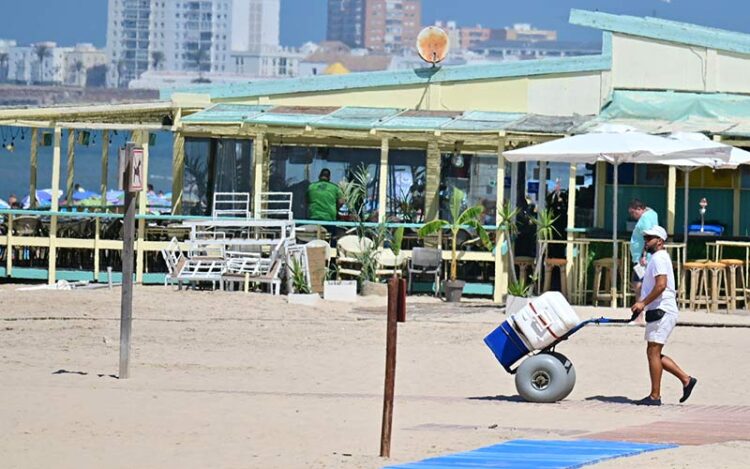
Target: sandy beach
x=238, y=380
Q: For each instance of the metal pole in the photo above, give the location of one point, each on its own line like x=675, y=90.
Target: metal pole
x=685, y=214
x=390, y=368
x=126, y=307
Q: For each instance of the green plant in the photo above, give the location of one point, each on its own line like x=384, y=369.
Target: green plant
x=545, y=229
x=507, y=230
x=299, y=279
x=520, y=288
x=467, y=218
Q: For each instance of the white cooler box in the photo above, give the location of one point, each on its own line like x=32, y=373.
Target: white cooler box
x=545, y=319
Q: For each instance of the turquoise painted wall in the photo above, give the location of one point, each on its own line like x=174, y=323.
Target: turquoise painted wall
x=654, y=197
x=720, y=207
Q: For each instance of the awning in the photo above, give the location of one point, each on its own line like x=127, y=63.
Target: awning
x=671, y=111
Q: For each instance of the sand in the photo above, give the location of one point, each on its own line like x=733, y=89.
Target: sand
x=238, y=380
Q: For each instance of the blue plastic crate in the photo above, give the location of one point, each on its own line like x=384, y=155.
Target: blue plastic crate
x=507, y=345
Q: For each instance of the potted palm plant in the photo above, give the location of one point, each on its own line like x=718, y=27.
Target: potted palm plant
x=468, y=218
x=518, y=290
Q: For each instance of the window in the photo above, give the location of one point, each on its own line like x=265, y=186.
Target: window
x=476, y=177
x=294, y=168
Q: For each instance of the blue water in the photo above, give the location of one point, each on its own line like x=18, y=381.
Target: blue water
x=15, y=166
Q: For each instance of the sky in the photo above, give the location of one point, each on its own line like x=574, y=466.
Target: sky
x=72, y=21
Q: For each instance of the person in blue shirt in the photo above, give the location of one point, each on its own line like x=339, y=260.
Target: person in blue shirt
x=646, y=218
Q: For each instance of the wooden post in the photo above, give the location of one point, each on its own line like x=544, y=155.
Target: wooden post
x=736, y=201
x=105, y=166
x=390, y=368
x=142, y=209
x=569, y=247
x=178, y=172
x=401, y=316
x=71, y=168
x=601, y=194
x=9, y=247
x=432, y=182
x=501, y=272
x=126, y=303
x=671, y=198
x=258, y=168
x=383, y=186
x=52, y=256
x=34, y=165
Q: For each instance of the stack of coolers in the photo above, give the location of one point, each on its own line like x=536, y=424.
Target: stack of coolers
x=544, y=320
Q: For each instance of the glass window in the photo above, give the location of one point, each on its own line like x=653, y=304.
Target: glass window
x=195, y=185
x=745, y=177
x=651, y=175
x=406, y=185
x=293, y=168
x=233, y=166
x=476, y=176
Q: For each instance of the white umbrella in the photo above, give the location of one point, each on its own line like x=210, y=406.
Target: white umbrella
x=623, y=145
x=737, y=157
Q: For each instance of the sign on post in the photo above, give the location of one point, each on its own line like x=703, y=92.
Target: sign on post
x=135, y=167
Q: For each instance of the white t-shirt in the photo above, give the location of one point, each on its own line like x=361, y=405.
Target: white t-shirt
x=660, y=264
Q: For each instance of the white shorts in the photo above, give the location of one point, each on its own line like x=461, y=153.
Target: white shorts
x=659, y=331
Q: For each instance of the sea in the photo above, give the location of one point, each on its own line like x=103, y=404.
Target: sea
x=15, y=162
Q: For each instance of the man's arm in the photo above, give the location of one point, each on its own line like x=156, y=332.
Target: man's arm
x=659, y=286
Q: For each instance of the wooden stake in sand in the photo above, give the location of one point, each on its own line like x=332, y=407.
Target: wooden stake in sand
x=396, y=313
x=133, y=182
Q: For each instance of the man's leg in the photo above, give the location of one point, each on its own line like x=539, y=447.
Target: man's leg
x=671, y=367
x=653, y=352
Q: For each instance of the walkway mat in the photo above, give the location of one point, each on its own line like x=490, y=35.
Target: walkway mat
x=536, y=454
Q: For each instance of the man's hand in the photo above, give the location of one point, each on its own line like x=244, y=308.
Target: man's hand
x=638, y=308
x=643, y=261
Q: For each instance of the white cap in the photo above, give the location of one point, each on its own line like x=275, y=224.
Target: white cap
x=657, y=231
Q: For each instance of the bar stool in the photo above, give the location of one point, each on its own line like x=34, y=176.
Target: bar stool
x=735, y=267
x=694, y=273
x=717, y=271
x=549, y=266
x=525, y=264
x=602, y=287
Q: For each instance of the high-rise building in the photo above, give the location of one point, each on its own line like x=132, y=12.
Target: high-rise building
x=185, y=36
x=346, y=22
x=378, y=25
x=255, y=25
x=392, y=25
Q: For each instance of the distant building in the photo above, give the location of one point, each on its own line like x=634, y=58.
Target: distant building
x=48, y=64
x=185, y=36
x=268, y=62
x=470, y=36
x=523, y=32
x=392, y=25
x=330, y=53
x=378, y=25
x=346, y=22
x=255, y=25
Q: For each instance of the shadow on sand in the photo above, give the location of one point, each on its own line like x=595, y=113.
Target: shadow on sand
x=82, y=373
x=499, y=397
x=611, y=399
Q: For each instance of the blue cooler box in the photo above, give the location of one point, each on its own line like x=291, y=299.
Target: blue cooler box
x=507, y=346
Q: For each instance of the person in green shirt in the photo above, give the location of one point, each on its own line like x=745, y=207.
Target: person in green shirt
x=324, y=198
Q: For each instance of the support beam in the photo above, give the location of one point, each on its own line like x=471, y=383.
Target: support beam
x=259, y=153
x=513, y=185
x=600, y=194
x=501, y=274
x=178, y=172
x=671, y=198
x=541, y=201
x=33, y=159
x=71, y=167
x=432, y=181
x=52, y=257
x=383, y=186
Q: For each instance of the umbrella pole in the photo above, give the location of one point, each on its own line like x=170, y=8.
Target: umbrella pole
x=613, y=291
x=685, y=213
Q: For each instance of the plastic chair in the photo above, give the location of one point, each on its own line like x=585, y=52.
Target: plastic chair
x=426, y=261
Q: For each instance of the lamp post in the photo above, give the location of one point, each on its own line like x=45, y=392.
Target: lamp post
x=703, y=204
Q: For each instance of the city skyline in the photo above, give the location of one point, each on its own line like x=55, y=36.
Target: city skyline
x=49, y=20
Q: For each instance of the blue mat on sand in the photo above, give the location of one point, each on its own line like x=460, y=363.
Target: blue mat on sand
x=536, y=454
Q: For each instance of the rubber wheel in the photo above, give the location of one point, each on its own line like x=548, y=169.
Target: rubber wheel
x=545, y=377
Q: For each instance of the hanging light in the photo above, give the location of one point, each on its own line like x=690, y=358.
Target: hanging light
x=457, y=159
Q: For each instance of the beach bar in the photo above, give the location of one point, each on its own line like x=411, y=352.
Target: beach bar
x=420, y=134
